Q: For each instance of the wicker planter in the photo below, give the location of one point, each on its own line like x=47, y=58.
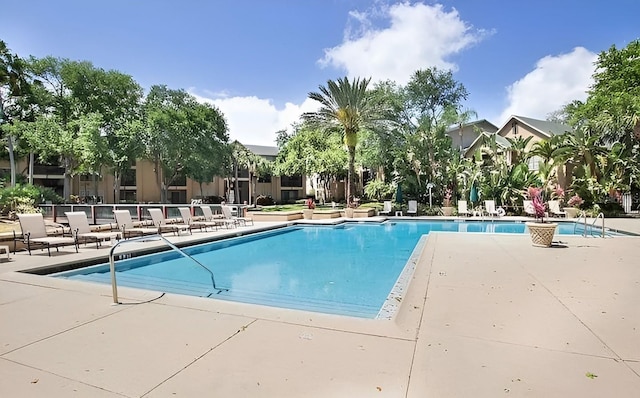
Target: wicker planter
x=307, y=214
x=541, y=233
x=447, y=210
x=348, y=212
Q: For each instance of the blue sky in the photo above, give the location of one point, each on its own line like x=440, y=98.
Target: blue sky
x=258, y=59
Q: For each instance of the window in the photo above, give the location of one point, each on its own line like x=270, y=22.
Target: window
x=289, y=196
x=291, y=181
x=89, y=177
x=180, y=181
x=534, y=163
x=128, y=196
x=266, y=178
x=128, y=178
x=178, y=196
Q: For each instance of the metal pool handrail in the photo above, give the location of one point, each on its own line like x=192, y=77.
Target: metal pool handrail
x=583, y=216
x=112, y=266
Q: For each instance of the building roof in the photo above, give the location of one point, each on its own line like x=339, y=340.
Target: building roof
x=482, y=124
x=263, y=150
x=500, y=141
x=545, y=127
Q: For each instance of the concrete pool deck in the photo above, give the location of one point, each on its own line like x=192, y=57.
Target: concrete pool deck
x=485, y=315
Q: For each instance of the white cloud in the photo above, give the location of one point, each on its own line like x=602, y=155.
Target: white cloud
x=255, y=121
x=555, y=81
x=418, y=36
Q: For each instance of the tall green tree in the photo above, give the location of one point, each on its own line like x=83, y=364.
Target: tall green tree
x=345, y=106
x=613, y=104
x=14, y=87
x=315, y=153
x=178, y=132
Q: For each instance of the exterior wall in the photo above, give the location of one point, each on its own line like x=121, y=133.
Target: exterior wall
x=146, y=188
x=470, y=132
x=514, y=129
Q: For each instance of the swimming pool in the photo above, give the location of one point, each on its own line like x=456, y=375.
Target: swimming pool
x=347, y=269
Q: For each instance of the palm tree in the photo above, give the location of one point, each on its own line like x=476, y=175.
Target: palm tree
x=346, y=105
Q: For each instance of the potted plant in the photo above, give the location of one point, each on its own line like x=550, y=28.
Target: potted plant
x=541, y=232
x=308, y=212
x=574, y=203
x=447, y=209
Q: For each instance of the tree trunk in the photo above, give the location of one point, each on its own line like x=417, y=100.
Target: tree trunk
x=31, y=164
x=66, y=190
x=117, y=178
x=12, y=160
x=351, y=175
x=236, y=196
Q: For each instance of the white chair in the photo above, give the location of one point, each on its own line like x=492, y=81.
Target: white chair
x=209, y=216
x=187, y=218
x=128, y=228
x=554, y=209
x=490, y=208
x=462, y=208
x=81, y=229
x=162, y=224
x=528, y=208
x=387, y=207
x=34, y=233
x=412, y=209
x=226, y=213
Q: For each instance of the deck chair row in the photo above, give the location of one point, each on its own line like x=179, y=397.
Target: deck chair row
x=35, y=234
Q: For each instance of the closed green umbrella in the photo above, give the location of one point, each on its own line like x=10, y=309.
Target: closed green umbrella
x=473, y=195
x=399, y=194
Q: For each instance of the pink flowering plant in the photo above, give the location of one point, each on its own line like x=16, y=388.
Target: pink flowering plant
x=539, y=206
x=575, y=201
x=311, y=204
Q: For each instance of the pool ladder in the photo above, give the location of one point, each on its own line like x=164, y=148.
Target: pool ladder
x=112, y=266
x=583, y=216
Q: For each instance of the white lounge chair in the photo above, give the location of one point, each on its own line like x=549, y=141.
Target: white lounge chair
x=163, y=225
x=462, y=208
x=490, y=208
x=220, y=220
x=128, y=228
x=554, y=209
x=226, y=213
x=387, y=207
x=82, y=230
x=412, y=209
x=34, y=233
x=187, y=218
x=528, y=208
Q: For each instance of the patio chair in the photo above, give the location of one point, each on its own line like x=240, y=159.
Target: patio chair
x=220, y=220
x=412, y=209
x=462, y=208
x=554, y=209
x=164, y=226
x=528, y=208
x=387, y=208
x=226, y=213
x=34, y=233
x=82, y=230
x=490, y=208
x=128, y=229
x=187, y=218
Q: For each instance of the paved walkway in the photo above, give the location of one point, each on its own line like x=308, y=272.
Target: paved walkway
x=484, y=316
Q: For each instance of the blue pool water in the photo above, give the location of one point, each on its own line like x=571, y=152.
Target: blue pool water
x=348, y=269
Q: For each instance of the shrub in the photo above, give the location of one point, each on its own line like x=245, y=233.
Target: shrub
x=378, y=190
x=25, y=198
x=263, y=200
